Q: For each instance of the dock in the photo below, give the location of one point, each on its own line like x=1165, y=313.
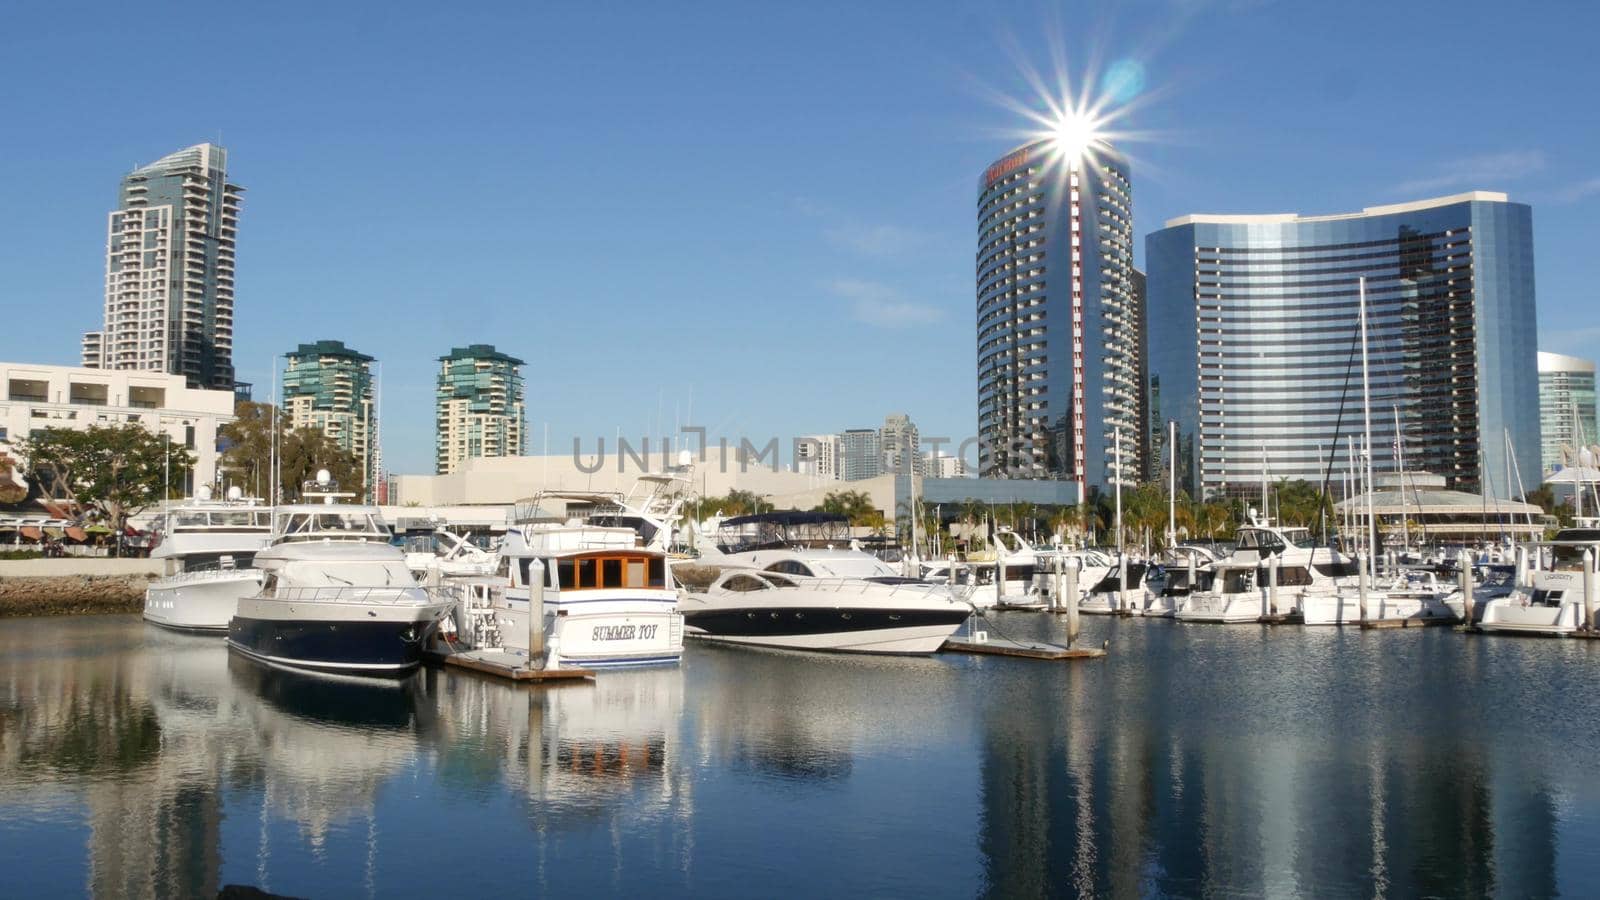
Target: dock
x=996, y=646
x=505, y=665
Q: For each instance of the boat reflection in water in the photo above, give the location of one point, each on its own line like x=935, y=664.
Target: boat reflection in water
x=136, y=762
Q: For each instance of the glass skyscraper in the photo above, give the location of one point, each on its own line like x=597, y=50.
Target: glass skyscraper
x=169, y=271
x=1255, y=345
x=1567, y=412
x=479, y=406
x=329, y=386
x=1059, y=320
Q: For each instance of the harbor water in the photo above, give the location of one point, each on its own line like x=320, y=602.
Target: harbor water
x=1193, y=760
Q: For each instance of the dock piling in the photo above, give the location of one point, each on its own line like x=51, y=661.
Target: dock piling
x=1464, y=564
x=1362, y=584
x=1072, y=601
x=536, y=650
x=1272, y=586
x=1589, y=598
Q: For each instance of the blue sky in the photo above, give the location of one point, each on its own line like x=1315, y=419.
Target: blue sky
x=757, y=215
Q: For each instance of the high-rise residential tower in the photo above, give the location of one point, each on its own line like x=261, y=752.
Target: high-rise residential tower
x=329, y=386
x=479, y=406
x=860, y=454
x=1060, y=344
x=1254, y=341
x=900, y=444
x=169, y=271
x=1567, y=414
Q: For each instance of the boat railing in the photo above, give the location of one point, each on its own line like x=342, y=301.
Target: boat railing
x=860, y=586
x=210, y=572
x=355, y=594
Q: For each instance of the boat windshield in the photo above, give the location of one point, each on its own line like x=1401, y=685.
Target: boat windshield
x=220, y=519
x=784, y=529
x=1569, y=557
x=332, y=524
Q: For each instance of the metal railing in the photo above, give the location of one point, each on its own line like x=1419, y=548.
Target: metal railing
x=356, y=594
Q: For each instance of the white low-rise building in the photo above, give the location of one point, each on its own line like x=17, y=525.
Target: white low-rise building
x=33, y=398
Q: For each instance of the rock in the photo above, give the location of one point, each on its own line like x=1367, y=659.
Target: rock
x=66, y=595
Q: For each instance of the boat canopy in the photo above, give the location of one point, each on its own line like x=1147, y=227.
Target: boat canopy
x=786, y=528
x=313, y=522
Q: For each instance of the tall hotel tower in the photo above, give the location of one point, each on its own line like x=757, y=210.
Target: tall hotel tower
x=479, y=406
x=1254, y=339
x=1060, y=324
x=169, y=271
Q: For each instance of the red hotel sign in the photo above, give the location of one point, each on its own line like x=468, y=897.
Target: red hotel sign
x=1005, y=167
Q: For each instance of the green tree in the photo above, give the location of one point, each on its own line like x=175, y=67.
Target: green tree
x=854, y=505
x=301, y=452
x=114, y=471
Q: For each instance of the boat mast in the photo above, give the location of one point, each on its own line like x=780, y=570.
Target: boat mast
x=1366, y=417
x=1118, y=476
x=1172, y=484
x=1400, y=461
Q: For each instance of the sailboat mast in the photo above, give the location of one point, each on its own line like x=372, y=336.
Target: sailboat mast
x=1366, y=417
x=1400, y=461
x=1172, y=484
x=1119, y=490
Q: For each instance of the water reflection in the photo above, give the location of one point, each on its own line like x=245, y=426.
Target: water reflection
x=1259, y=762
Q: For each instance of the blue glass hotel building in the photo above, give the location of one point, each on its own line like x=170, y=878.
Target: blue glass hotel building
x=1059, y=323
x=1254, y=342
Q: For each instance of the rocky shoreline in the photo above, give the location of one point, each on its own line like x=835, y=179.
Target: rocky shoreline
x=71, y=595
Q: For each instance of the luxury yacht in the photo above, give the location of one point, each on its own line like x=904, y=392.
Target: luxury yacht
x=608, y=596
x=789, y=579
x=1552, y=602
x=207, y=548
x=335, y=594
x=1307, y=579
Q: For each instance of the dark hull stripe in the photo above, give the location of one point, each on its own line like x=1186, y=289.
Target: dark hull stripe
x=789, y=622
x=370, y=647
x=189, y=629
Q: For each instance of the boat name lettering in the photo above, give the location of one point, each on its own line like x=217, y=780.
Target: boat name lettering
x=624, y=632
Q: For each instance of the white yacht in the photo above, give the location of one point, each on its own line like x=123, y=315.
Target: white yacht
x=335, y=594
x=1307, y=578
x=1186, y=568
x=1411, y=593
x=207, y=548
x=1108, y=593
x=608, y=596
x=788, y=579
x=1552, y=601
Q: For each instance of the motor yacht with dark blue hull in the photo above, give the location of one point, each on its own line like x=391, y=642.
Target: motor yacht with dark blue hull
x=335, y=596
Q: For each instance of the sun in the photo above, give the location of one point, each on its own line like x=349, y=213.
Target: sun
x=1076, y=135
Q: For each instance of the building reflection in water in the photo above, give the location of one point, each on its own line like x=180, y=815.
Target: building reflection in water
x=1198, y=761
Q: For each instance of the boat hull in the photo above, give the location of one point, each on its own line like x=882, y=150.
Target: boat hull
x=1233, y=609
x=843, y=630
x=199, y=602
x=1512, y=615
x=355, y=638
x=598, y=640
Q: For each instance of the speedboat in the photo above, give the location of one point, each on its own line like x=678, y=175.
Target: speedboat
x=607, y=595
x=207, y=548
x=335, y=594
x=791, y=580
x=1552, y=601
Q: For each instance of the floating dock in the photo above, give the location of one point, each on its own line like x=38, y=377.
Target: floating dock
x=501, y=664
x=997, y=646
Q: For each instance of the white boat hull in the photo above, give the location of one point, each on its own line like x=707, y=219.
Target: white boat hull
x=917, y=640
x=1513, y=615
x=199, y=601
x=1157, y=606
x=1226, y=609
x=599, y=640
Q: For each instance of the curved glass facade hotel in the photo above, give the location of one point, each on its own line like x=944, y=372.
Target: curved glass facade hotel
x=1058, y=318
x=1254, y=342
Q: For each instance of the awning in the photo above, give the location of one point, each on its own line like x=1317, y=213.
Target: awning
x=77, y=533
x=97, y=528
x=31, y=533
x=54, y=534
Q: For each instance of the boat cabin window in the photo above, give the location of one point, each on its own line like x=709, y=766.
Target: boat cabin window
x=352, y=524
x=269, y=586
x=607, y=571
x=779, y=581
x=790, y=567
x=1568, y=558
x=525, y=571
x=504, y=568
x=744, y=583
x=1289, y=576
x=1238, y=581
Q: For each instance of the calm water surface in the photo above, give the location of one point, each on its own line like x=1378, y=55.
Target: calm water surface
x=1195, y=761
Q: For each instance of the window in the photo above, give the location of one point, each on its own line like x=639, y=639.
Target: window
x=744, y=584
x=611, y=573
x=790, y=567
x=586, y=574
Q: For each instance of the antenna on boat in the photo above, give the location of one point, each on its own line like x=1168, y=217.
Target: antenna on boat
x=1366, y=416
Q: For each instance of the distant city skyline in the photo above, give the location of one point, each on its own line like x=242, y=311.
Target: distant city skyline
x=809, y=263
